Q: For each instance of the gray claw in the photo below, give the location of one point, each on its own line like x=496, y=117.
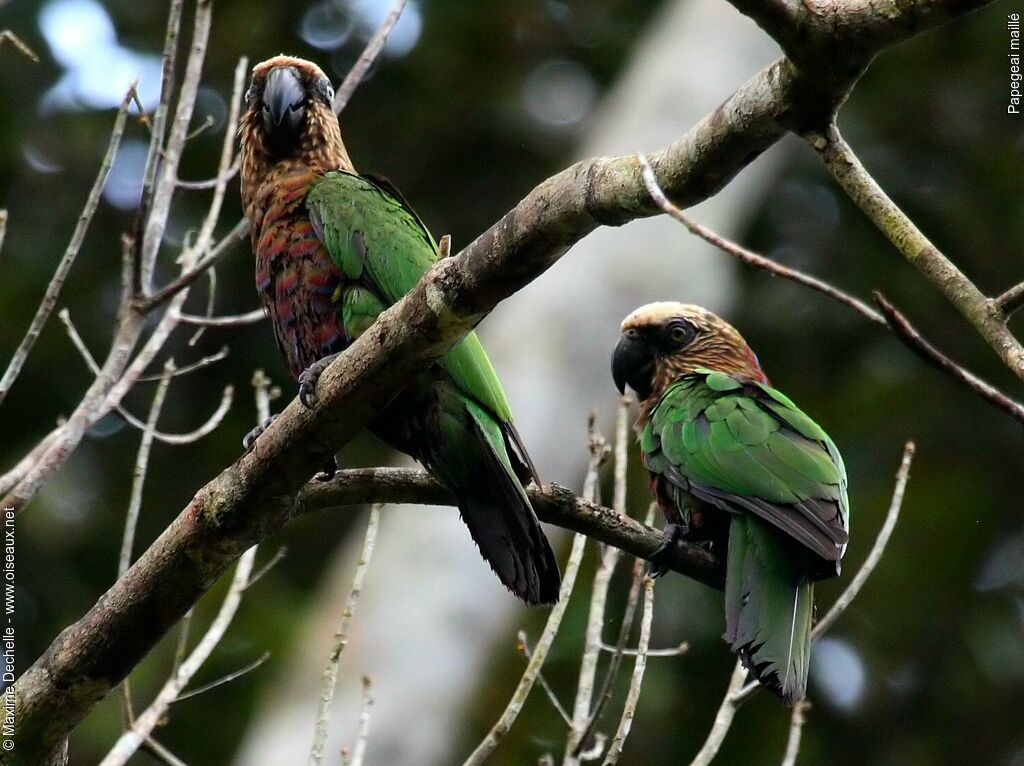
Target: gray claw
x=249, y=440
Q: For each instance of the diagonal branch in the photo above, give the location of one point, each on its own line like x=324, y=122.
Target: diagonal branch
x=944, y=275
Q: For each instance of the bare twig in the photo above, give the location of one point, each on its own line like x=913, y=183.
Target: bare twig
x=158, y=131
x=329, y=679
x=220, y=178
x=363, y=737
x=3, y=227
x=723, y=718
x=9, y=37
x=604, y=696
x=598, y=452
x=228, y=678
x=796, y=726
x=196, y=434
x=636, y=680
x=748, y=256
x=913, y=340
x=367, y=57
x=672, y=651
x=161, y=753
x=131, y=740
x=862, y=188
x=524, y=647
x=875, y=555
x=1006, y=304
x=199, y=364
x=889, y=317
x=218, y=251
x=170, y=155
x=238, y=320
x=70, y=253
x=581, y=711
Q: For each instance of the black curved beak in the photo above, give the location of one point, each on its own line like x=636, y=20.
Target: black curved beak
x=284, y=103
x=633, y=365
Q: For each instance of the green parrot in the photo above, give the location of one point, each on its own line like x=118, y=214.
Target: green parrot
x=737, y=467
x=333, y=249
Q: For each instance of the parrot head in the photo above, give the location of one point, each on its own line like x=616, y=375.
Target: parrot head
x=289, y=122
x=661, y=342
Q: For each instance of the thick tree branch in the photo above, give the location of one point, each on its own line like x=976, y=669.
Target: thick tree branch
x=916, y=247
x=254, y=497
x=554, y=504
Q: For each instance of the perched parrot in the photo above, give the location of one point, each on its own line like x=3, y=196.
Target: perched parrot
x=333, y=249
x=737, y=467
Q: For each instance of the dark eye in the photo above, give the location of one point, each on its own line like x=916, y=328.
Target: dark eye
x=678, y=332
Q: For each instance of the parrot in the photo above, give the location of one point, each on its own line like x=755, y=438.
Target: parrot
x=333, y=249
x=738, y=468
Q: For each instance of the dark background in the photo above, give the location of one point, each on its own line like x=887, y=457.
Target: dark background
x=938, y=635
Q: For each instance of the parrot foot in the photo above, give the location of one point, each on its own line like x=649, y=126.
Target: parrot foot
x=660, y=558
x=309, y=378
x=249, y=440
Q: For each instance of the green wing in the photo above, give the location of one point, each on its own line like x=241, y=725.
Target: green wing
x=377, y=241
x=744, y=446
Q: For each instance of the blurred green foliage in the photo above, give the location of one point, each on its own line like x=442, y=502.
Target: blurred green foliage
x=940, y=629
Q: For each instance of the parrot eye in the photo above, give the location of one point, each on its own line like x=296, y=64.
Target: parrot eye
x=679, y=333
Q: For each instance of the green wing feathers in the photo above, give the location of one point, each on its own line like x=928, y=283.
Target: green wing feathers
x=376, y=240
x=746, y=447
x=454, y=418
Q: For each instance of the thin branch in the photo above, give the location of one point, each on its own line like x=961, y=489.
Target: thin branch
x=672, y=651
x=875, y=554
x=797, y=719
x=53, y=289
x=367, y=57
x=913, y=340
x=524, y=648
x=363, y=737
x=131, y=740
x=748, y=256
x=237, y=320
x=329, y=679
x=170, y=154
x=235, y=674
x=272, y=562
x=598, y=452
x=581, y=711
x=636, y=681
x=220, y=178
x=9, y=37
x=1006, y=304
x=201, y=363
x=865, y=192
x=161, y=753
x=218, y=251
x=3, y=227
x=723, y=718
x=604, y=696
x=211, y=424
x=139, y=473
x=890, y=318
x=135, y=501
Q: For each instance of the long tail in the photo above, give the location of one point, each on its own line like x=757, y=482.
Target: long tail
x=769, y=601
x=476, y=461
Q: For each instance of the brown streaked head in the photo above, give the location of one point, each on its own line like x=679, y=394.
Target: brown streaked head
x=289, y=122
x=661, y=342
